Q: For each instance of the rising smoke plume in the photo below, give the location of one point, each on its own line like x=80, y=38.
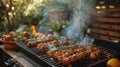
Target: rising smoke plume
x=82, y=13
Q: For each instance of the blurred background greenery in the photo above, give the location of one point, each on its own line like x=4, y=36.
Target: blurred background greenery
x=14, y=13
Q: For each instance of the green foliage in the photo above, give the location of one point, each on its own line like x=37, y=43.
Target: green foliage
x=34, y=9
x=20, y=7
x=18, y=15
x=57, y=26
x=27, y=10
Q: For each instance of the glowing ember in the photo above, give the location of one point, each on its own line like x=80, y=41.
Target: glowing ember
x=33, y=28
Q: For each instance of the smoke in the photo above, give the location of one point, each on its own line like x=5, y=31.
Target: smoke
x=80, y=17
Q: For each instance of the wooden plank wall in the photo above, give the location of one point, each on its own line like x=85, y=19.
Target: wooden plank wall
x=106, y=25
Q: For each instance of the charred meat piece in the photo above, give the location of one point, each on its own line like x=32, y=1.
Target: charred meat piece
x=42, y=47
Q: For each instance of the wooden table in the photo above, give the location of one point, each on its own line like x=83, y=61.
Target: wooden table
x=17, y=57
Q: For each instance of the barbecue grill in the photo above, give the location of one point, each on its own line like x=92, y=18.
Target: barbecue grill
x=42, y=59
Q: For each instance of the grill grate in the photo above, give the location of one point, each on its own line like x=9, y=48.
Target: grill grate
x=38, y=56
